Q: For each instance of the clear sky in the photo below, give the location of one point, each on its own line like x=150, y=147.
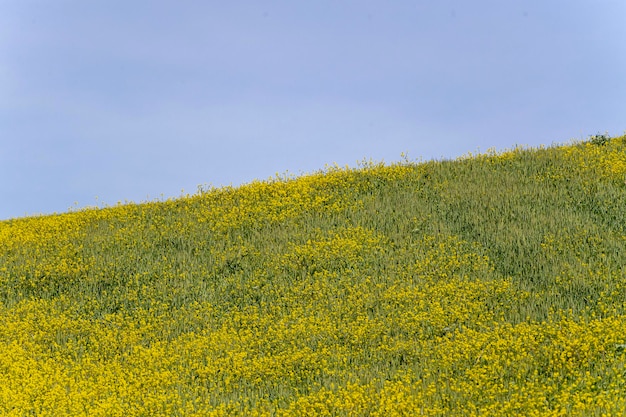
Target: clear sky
x=111, y=100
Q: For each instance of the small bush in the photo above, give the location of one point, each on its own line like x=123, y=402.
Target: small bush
x=600, y=139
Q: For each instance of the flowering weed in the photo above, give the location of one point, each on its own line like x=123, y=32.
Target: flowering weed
x=492, y=285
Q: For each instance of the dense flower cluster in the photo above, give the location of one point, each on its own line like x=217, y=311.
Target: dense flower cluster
x=492, y=285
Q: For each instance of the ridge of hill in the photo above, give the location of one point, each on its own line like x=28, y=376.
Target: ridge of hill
x=491, y=285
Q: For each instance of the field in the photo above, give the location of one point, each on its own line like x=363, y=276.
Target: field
x=491, y=285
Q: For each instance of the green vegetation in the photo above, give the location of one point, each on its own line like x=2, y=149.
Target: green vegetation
x=491, y=285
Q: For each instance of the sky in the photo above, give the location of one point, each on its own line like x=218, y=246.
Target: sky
x=107, y=101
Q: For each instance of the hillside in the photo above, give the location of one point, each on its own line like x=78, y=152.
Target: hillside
x=491, y=285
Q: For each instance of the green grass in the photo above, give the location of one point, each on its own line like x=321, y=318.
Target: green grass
x=489, y=285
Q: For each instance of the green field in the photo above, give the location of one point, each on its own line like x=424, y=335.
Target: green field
x=490, y=285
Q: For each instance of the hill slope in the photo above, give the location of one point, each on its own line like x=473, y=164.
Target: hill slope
x=489, y=285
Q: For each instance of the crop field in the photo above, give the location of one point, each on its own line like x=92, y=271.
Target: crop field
x=490, y=285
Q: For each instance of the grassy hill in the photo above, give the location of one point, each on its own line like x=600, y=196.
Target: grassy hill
x=492, y=285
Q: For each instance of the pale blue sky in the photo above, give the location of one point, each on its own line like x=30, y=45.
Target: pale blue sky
x=131, y=100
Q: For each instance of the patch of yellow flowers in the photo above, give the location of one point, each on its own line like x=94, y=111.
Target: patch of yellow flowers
x=291, y=298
